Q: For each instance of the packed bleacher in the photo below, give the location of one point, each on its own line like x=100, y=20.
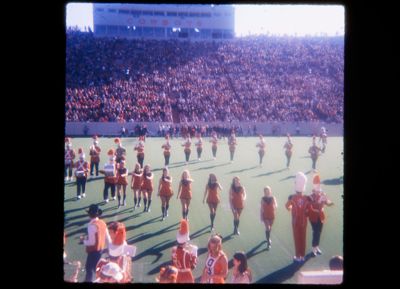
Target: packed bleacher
x=248, y=79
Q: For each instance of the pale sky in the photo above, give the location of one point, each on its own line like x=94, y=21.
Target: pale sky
x=256, y=19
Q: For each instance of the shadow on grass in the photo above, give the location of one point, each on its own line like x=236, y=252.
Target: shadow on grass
x=211, y=167
x=242, y=170
x=136, y=239
x=270, y=173
x=287, y=178
x=333, y=182
x=284, y=273
x=200, y=232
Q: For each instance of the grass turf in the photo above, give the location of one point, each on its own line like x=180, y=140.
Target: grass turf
x=154, y=238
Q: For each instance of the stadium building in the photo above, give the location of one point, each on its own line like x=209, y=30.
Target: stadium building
x=164, y=21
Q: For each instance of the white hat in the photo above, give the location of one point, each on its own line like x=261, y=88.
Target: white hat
x=300, y=182
x=182, y=236
x=112, y=270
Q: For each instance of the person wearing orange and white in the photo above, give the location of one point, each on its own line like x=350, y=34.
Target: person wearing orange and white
x=139, y=147
x=168, y=274
x=214, y=147
x=185, y=193
x=237, y=196
x=165, y=192
x=69, y=156
x=316, y=214
x=288, y=146
x=96, y=240
x=267, y=213
x=211, y=192
x=117, y=268
x=187, y=144
x=110, y=179
x=81, y=174
x=232, y=145
x=261, y=148
x=298, y=204
x=216, y=268
x=147, y=187
x=199, y=146
x=122, y=182
x=184, y=255
x=120, y=151
x=136, y=185
x=167, y=150
x=94, y=152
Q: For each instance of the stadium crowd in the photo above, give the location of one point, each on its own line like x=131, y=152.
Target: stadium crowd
x=252, y=79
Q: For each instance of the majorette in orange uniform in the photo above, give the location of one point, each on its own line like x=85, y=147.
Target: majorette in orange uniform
x=167, y=150
x=122, y=182
x=187, y=144
x=216, y=268
x=184, y=255
x=81, y=174
x=120, y=151
x=69, y=156
x=110, y=172
x=237, y=196
x=261, y=148
x=211, y=192
x=232, y=144
x=185, y=192
x=199, y=145
x=117, y=268
x=147, y=187
x=136, y=185
x=139, y=147
x=267, y=213
x=316, y=214
x=298, y=204
x=94, y=152
x=165, y=192
x=214, y=147
x=288, y=150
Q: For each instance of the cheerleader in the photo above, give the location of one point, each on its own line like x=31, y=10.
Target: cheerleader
x=110, y=172
x=139, y=147
x=261, y=151
x=211, y=192
x=136, y=185
x=165, y=192
x=120, y=151
x=199, y=145
x=185, y=193
x=214, y=141
x=288, y=150
x=122, y=182
x=216, y=266
x=232, y=145
x=147, y=187
x=187, y=144
x=167, y=150
x=237, y=196
x=267, y=213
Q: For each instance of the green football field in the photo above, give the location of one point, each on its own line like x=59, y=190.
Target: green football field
x=155, y=238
